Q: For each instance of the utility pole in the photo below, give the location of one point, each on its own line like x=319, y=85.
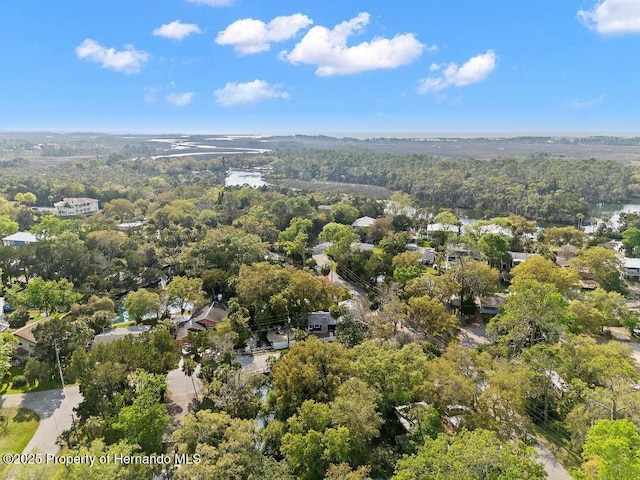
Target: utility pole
x=57, y=348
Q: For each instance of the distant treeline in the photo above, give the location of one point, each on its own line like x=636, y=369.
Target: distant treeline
x=548, y=189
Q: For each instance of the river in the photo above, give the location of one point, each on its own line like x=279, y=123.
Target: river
x=238, y=178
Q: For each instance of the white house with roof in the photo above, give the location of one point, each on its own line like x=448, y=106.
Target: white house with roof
x=71, y=207
x=26, y=340
x=632, y=268
x=363, y=222
x=19, y=239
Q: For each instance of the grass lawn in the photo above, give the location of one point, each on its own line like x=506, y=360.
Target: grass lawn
x=17, y=426
x=6, y=388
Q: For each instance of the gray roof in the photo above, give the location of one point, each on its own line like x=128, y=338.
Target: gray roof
x=364, y=222
x=26, y=237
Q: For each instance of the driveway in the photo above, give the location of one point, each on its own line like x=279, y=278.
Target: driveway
x=181, y=392
x=55, y=409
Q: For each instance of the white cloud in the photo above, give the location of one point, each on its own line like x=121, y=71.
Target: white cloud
x=212, y=3
x=180, y=99
x=176, y=30
x=249, y=36
x=580, y=104
x=474, y=70
x=329, y=51
x=613, y=17
x=127, y=61
x=246, y=93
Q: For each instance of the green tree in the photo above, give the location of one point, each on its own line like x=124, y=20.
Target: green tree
x=62, y=333
x=50, y=295
x=36, y=372
x=351, y=331
x=189, y=366
x=395, y=243
x=442, y=287
x=141, y=303
x=293, y=240
x=345, y=213
x=226, y=445
x=356, y=408
x=183, y=291
x=479, y=454
x=611, y=452
x=396, y=371
x=559, y=236
x=341, y=237
x=603, y=265
x=7, y=226
x=535, y=313
x=430, y=317
x=7, y=345
x=311, y=443
x=312, y=370
x=494, y=248
x=143, y=422
x=598, y=309
x=518, y=226
x=545, y=271
x=474, y=279
x=631, y=241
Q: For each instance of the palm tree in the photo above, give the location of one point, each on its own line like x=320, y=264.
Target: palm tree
x=189, y=368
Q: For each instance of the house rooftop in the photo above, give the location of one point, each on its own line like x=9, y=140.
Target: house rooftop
x=112, y=334
x=26, y=332
x=631, y=262
x=26, y=237
x=363, y=222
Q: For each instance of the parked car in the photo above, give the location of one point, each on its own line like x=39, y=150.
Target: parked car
x=6, y=308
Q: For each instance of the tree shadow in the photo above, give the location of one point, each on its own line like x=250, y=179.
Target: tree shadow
x=25, y=415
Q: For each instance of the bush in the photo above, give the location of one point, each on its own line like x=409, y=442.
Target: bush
x=18, y=381
x=18, y=319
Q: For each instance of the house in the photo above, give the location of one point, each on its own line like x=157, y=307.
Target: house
x=71, y=207
x=408, y=415
x=363, y=222
x=19, y=239
x=209, y=316
x=362, y=247
x=131, y=225
x=113, y=334
x=26, y=340
x=490, y=305
x=321, y=324
x=428, y=253
x=632, y=268
x=517, y=258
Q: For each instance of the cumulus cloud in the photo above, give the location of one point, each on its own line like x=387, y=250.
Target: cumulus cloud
x=176, y=30
x=249, y=36
x=247, y=93
x=611, y=17
x=474, y=70
x=180, y=99
x=212, y=3
x=329, y=51
x=127, y=61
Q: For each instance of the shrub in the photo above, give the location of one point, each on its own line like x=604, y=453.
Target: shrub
x=19, y=381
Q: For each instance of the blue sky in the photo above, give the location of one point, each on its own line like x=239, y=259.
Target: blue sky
x=407, y=67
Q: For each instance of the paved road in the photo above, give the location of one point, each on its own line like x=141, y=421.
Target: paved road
x=55, y=409
x=554, y=469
